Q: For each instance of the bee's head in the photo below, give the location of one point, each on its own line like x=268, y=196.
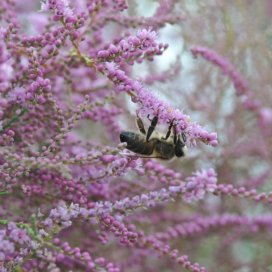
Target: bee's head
x=180, y=148
x=125, y=136
x=180, y=151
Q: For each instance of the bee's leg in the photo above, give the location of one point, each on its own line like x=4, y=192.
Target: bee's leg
x=148, y=157
x=175, y=136
x=140, y=125
x=151, y=128
x=169, y=131
x=184, y=138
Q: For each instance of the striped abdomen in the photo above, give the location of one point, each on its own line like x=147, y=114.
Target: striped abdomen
x=137, y=143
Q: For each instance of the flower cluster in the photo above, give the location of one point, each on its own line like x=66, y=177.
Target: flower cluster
x=73, y=77
x=60, y=7
x=202, y=181
x=140, y=47
x=240, y=84
x=12, y=240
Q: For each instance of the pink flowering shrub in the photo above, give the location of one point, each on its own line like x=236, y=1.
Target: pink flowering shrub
x=74, y=74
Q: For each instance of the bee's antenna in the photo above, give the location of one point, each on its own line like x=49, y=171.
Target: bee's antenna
x=169, y=130
x=184, y=138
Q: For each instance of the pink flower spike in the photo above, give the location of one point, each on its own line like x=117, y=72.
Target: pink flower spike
x=201, y=182
x=239, y=82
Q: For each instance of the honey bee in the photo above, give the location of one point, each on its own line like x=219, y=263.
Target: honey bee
x=156, y=146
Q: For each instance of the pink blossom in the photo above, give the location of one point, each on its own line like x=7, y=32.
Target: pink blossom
x=59, y=6
x=240, y=83
x=74, y=76
x=201, y=182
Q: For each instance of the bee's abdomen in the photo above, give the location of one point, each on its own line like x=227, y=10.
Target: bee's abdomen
x=136, y=143
x=165, y=150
